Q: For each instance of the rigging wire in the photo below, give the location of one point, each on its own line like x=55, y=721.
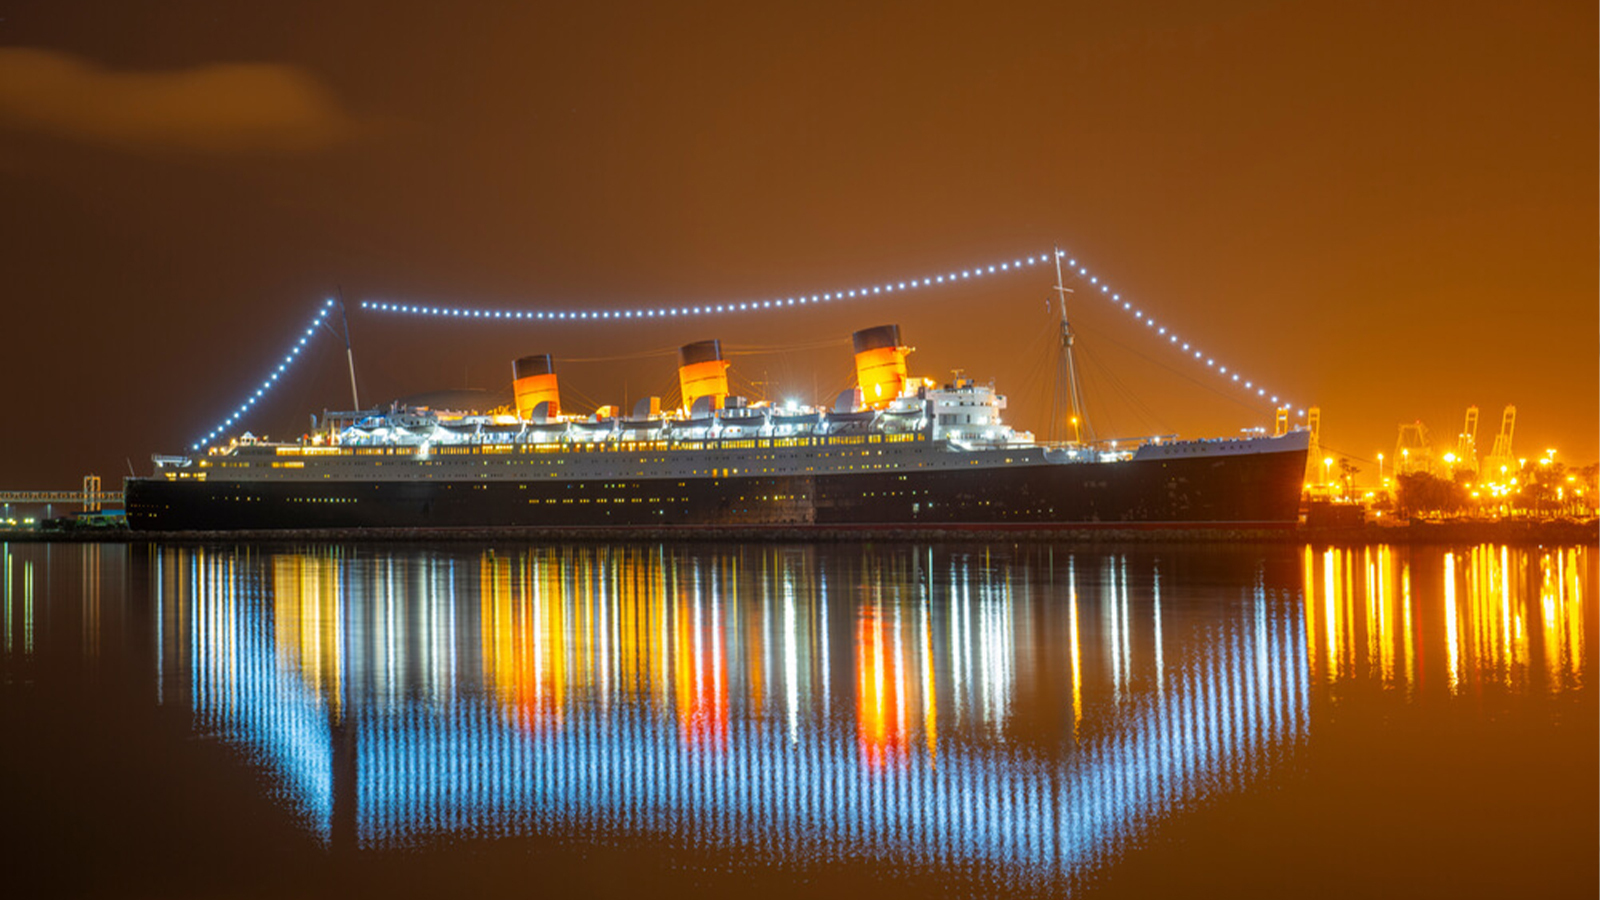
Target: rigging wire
x=1258, y=394
x=623, y=314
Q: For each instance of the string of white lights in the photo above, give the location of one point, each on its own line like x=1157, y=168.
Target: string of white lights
x=665, y=312
x=1229, y=376
x=1175, y=342
x=271, y=379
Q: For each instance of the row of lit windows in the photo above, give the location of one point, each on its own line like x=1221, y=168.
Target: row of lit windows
x=594, y=446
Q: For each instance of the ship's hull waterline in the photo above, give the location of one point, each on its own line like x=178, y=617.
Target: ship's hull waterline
x=1244, y=490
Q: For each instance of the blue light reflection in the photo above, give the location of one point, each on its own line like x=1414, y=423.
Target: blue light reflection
x=790, y=703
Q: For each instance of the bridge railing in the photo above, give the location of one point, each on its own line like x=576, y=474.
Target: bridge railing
x=90, y=496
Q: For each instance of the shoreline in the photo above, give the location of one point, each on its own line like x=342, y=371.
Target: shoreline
x=1520, y=532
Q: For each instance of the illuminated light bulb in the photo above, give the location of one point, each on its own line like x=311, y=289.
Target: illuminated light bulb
x=1016, y=262
x=1274, y=398
x=1186, y=346
x=1210, y=362
x=1235, y=378
x=1104, y=289
x=1094, y=280
x=1222, y=370
x=1247, y=384
x=991, y=269
x=1127, y=306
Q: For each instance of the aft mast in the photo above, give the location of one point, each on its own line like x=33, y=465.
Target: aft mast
x=1067, y=398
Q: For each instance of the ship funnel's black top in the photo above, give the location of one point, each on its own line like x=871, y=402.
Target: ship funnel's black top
x=699, y=352
x=876, y=338
x=537, y=364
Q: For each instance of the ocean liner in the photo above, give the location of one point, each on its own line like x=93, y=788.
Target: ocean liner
x=895, y=452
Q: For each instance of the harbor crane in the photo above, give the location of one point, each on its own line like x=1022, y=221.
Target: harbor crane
x=1413, y=451
x=1467, y=444
x=1314, y=452
x=1500, y=458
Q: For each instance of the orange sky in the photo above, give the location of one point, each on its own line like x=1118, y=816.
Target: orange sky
x=1387, y=210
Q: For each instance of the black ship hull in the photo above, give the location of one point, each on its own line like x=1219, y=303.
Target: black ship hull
x=1253, y=490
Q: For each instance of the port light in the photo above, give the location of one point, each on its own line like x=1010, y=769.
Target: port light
x=1249, y=388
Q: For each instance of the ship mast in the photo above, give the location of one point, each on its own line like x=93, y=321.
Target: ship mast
x=350, y=356
x=1067, y=374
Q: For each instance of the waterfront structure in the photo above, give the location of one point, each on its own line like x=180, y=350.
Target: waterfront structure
x=893, y=452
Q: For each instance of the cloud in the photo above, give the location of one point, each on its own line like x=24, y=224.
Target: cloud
x=225, y=108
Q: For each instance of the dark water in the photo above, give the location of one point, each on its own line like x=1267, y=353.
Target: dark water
x=897, y=720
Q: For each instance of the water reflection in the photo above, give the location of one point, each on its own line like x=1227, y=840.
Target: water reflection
x=789, y=702
x=1490, y=615
x=1029, y=715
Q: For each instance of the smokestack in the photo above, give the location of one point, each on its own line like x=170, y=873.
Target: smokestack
x=880, y=364
x=702, y=372
x=534, y=382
